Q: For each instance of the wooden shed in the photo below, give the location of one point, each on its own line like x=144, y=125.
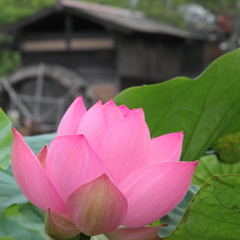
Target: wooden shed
x=108, y=48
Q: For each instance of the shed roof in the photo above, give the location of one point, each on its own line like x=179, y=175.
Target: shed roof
x=115, y=18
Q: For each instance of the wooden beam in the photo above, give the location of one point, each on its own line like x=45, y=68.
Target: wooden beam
x=16, y=100
x=38, y=92
x=85, y=43
x=92, y=43
x=44, y=45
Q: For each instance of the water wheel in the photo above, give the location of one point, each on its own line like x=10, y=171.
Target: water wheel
x=39, y=95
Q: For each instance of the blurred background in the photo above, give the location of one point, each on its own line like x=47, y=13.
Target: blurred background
x=53, y=51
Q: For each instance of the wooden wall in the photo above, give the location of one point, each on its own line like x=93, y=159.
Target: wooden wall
x=146, y=57
x=94, y=66
x=147, y=60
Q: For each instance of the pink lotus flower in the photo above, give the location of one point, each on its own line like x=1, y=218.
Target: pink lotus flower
x=102, y=171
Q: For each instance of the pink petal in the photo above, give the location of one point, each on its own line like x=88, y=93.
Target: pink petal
x=93, y=122
x=42, y=156
x=97, y=207
x=58, y=227
x=124, y=109
x=32, y=179
x=72, y=118
x=166, y=148
x=125, y=147
x=112, y=113
x=155, y=190
x=144, y=233
x=71, y=163
x=139, y=111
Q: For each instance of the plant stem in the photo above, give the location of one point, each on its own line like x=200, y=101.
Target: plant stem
x=84, y=237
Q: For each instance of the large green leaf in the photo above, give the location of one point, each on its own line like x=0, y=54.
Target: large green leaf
x=32, y=218
x=209, y=166
x=10, y=193
x=11, y=228
x=204, y=108
x=5, y=140
x=214, y=212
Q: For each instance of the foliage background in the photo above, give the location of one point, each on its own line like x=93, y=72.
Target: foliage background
x=163, y=10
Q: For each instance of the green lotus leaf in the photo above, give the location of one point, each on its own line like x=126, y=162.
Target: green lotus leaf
x=6, y=139
x=213, y=213
x=209, y=166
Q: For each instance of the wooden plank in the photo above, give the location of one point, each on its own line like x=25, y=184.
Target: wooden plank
x=62, y=44
x=44, y=45
x=92, y=43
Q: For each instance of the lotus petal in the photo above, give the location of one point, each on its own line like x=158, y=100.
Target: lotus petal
x=32, y=179
x=125, y=147
x=124, y=109
x=71, y=163
x=139, y=111
x=58, y=227
x=155, y=190
x=72, y=118
x=42, y=155
x=93, y=122
x=112, y=113
x=166, y=148
x=97, y=206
